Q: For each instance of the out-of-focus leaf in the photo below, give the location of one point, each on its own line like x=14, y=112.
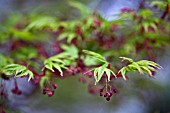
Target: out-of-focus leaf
x=82, y=8
x=41, y=23
x=145, y=13
x=95, y=55
x=128, y=59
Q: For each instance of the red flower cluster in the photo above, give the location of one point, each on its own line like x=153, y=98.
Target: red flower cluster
x=50, y=89
x=108, y=92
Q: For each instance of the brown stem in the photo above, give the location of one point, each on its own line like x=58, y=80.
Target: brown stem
x=166, y=11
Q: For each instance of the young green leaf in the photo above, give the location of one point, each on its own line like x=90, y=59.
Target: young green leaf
x=95, y=74
x=82, y=8
x=61, y=60
x=41, y=23
x=135, y=65
x=123, y=72
x=101, y=71
x=146, y=70
x=125, y=58
x=142, y=66
x=108, y=74
x=95, y=55
x=18, y=71
x=50, y=64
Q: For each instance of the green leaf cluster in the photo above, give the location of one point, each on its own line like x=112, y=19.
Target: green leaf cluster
x=41, y=23
x=99, y=71
x=62, y=60
x=95, y=55
x=142, y=66
x=18, y=71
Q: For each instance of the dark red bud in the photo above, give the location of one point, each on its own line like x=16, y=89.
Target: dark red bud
x=114, y=90
x=108, y=98
x=50, y=94
x=101, y=93
x=111, y=93
x=79, y=69
x=101, y=90
x=47, y=89
x=105, y=95
x=108, y=66
x=55, y=86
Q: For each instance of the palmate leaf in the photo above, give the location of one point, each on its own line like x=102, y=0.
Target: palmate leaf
x=41, y=23
x=123, y=72
x=149, y=63
x=18, y=71
x=53, y=62
x=142, y=66
x=95, y=55
x=67, y=35
x=99, y=71
x=61, y=60
x=146, y=26
x=146, y=70
x=88, y=61
x=70, y=52
x=136, y=65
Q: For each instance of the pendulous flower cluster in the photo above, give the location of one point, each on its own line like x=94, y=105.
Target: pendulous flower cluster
x=49, y=89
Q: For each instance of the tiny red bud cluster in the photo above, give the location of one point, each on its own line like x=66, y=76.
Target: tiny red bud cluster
x=93, y=89
x=89, y=74
x=50, y=89
x=74, y=71
x=16, y=91
x=108, y=92
x=83, y=79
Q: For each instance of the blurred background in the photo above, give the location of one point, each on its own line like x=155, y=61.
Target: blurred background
x=136, y=95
